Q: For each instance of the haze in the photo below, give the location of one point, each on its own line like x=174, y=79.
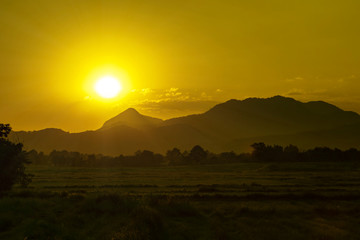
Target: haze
x=173, y=57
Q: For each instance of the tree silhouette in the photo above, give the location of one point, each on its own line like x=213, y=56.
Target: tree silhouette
x=147, y=158
x=264, y=152
x=197, y=154
x=259, y=151
x=12, y=162
x=291, y=152
x=174, y=157
x=5, y=130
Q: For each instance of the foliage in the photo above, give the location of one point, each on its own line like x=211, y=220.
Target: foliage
x=174, y=157
x=196, y=156
x=291, y=153
x=12, y=162
x=5, y=130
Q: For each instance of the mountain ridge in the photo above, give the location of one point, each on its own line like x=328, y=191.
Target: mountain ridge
x=132, y=118
x=223, y=127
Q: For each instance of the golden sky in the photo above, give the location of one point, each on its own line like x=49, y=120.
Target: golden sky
x=172, y=57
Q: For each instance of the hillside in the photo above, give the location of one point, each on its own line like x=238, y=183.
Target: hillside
x=132, y=118
x=232, y=125
x=254, y=117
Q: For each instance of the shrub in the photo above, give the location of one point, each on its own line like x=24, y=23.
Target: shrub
x=12, y=162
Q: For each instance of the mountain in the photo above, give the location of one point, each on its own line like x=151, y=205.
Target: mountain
x=124, y=134
x=261, y=117
x=132, y=118
x=232, y=125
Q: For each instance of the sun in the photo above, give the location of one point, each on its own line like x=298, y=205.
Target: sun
x=108, y=87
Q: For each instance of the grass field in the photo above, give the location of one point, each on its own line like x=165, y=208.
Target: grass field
x=233, y=201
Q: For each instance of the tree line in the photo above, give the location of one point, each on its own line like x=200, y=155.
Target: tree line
x=141, y=158
x=291, y=153
x=13, y=158
x=197, y=155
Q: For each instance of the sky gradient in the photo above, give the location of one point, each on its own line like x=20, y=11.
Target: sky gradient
x=172, y=57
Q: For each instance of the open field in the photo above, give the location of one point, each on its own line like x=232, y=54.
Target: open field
x=233, y=201
x=233, y=179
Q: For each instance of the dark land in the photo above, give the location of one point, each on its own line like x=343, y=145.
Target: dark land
x=206, y=176
x=254, y=200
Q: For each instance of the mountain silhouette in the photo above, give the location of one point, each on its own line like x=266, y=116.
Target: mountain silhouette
x=132, y=118
x=232, y=125
x=261, y=117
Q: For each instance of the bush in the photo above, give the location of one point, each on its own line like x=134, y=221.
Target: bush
x=12, y=162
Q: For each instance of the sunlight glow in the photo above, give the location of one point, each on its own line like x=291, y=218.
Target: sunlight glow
x=108, y=87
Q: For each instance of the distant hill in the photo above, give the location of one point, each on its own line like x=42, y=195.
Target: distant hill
x=232, y=125
x=261, y=117
x=132, y=118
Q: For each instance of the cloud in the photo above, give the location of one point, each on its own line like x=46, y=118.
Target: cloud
x=307, y=94
x=170, y=95
x=295, y=79
x=219, y=90
x=295, y=92
x=171, y=102
x=172, y=90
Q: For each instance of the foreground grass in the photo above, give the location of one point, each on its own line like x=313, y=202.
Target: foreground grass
x=241, y=201
x=46, y=215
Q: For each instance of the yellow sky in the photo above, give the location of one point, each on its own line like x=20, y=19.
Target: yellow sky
x=173, y=57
